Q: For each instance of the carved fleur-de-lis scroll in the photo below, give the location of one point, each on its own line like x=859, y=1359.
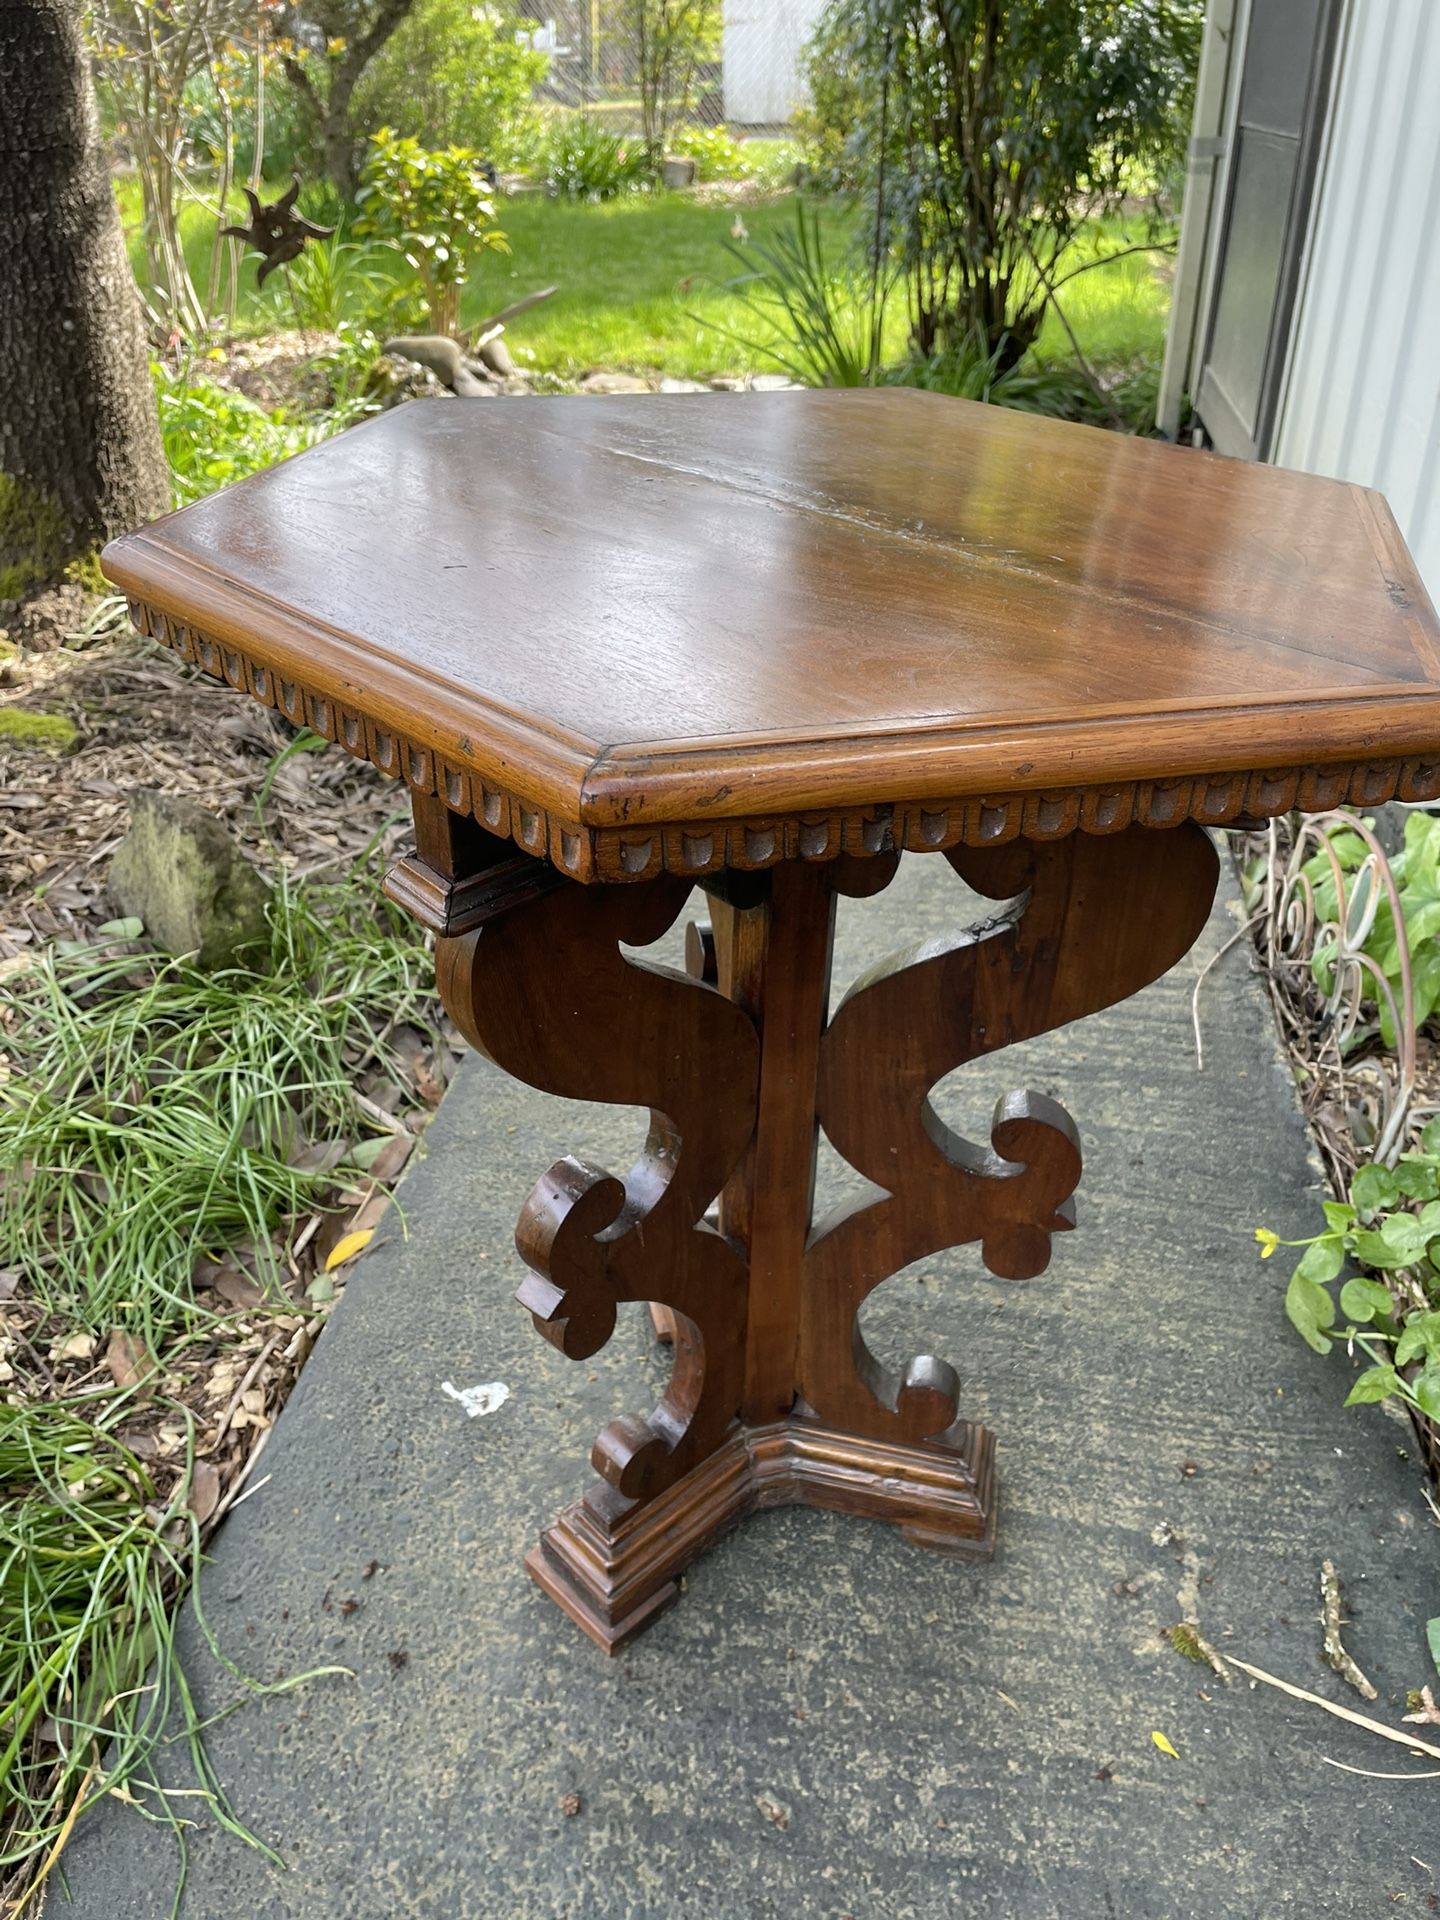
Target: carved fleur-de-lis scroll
x=547, y=994
x=1088, y=921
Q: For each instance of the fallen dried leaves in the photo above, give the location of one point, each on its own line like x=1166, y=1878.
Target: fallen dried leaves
x=206, y=1406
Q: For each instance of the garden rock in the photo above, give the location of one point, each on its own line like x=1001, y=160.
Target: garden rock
x=667, y=385
x=445, y=359
x=496, y=356
x=603, y=382
x=678, y=170
x=179, y=872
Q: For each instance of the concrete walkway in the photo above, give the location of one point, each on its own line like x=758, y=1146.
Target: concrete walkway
x=830, y=1723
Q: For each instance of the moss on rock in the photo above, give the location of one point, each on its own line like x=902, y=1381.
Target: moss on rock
x=21, y=729
x=179, y=872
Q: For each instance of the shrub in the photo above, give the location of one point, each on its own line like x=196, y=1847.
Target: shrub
x=585, y=161
x=434, y=208
x=820, y=323
x=463, y=76
x=988, y=134
x=831, y=130
x=214, y=435
x=331, y=282
x=717, y=155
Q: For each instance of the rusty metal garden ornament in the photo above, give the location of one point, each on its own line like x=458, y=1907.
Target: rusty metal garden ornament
x=277, y=231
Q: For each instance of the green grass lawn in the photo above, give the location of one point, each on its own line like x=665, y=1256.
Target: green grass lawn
x=639, y=277
x=1118, y=311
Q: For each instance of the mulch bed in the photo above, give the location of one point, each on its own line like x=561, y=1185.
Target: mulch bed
x=145, y=721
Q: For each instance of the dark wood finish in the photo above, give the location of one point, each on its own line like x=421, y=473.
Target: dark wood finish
x=1088, y=922
x=459, y=875
x=776, y=966
x=601, y=1026
x=685, y=633
x=769, y=642
x=774, y=1395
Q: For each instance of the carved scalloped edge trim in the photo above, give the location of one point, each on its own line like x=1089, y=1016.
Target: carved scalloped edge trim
x=623, y=854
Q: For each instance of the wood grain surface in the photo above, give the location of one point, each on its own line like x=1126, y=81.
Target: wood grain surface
x=638, y=634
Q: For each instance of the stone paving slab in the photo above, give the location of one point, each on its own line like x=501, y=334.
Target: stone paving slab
x=831, y=1723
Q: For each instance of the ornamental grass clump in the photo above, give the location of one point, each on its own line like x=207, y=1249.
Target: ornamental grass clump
x=156, y=1120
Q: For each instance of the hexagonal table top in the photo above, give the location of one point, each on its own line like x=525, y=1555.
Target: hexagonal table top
x=686, y=631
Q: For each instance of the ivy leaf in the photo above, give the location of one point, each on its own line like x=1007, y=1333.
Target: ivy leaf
x=1372, y=1250
x=1310, y=1310
x=1406, y=1235
x=1417, y=1175
x=1426, y=1389
x=1430, y=1138
x=1421, y=1334
x=1375, y=1383
x=1373, y=1189
x=1323, y=1259
x=1361, y=1300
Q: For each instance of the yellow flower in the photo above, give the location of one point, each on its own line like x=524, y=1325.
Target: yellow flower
x=335, y=46
x=1268, y=1241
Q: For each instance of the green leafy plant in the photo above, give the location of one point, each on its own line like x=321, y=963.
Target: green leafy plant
x=151, y=1114
x=158, y=1111
x=1390, y=1225
x=1416, y=872
x=331, y=282
x=831, y=126
x=1061, y=390
x=822, y=324
x=93, y=1555
x=214, y=434
x=987, y=132
x=585, y=161
x=718, y=155
x=465, y=74
x=435, y=209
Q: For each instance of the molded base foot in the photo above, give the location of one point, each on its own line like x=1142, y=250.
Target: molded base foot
x=614, y=1575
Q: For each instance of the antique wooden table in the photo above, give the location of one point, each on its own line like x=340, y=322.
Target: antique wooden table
x=617, y=649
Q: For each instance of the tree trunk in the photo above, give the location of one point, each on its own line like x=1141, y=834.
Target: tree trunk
x=80, y=452
x=339, y=143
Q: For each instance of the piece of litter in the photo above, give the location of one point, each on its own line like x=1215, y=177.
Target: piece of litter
x=486, y=1398
x=1164, y=1745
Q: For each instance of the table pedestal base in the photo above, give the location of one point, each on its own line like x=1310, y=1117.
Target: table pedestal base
x=774, y=1395
x=614, y=1575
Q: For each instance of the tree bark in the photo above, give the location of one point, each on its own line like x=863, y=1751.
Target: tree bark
x=364, y=26
x=81, y=457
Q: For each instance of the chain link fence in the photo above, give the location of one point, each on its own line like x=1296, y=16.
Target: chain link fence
x=741, y=67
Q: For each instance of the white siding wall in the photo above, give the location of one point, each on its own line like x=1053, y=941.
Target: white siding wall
x=1362, y=400
x=763, y=41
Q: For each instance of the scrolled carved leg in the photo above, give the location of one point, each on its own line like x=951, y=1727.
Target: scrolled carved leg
x=547, y=994
x=774, y=1395
x=1087, y=922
